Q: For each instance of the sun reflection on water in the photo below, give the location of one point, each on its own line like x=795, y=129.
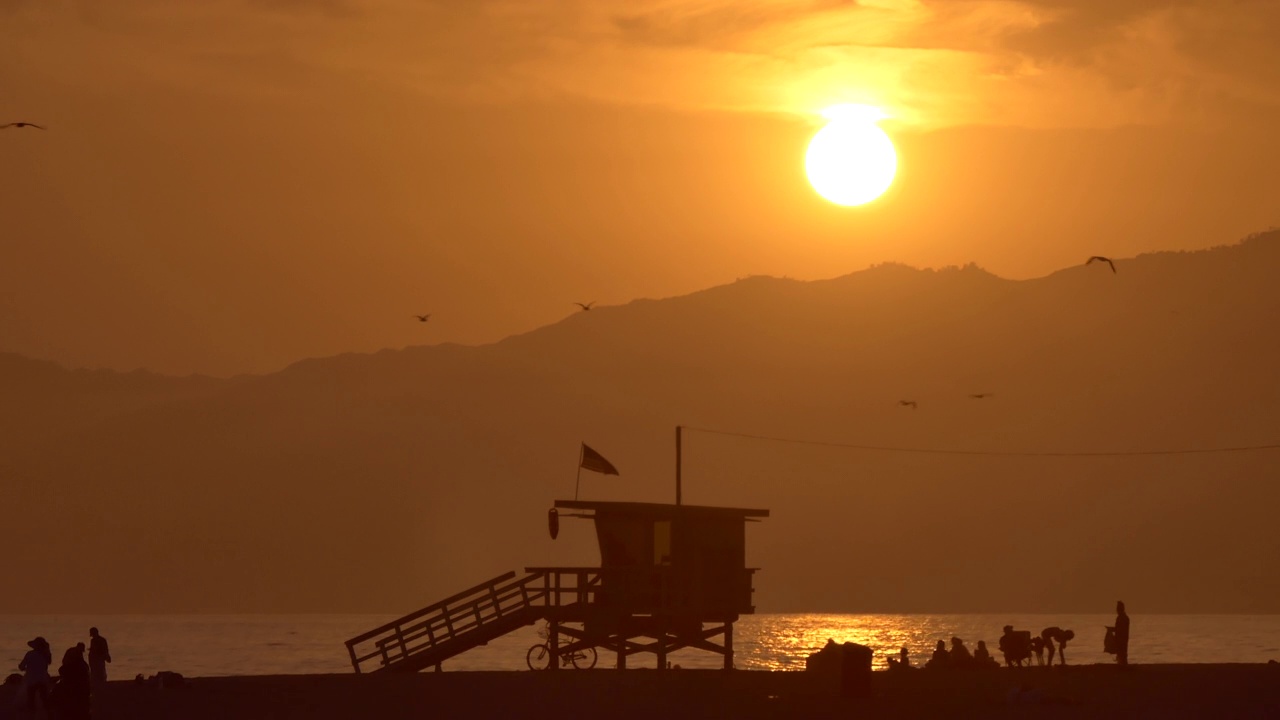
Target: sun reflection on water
x=791, y=638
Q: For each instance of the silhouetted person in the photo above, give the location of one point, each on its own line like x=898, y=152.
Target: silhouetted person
x=71, y=697
x=35, y=680
x=99, y=656
x=1122, y=634
x=940, y=657
x=1015, y=646
x=1037, y=647
x=1056, y=634
x=982, y=657
x=960, y=656
x=902, y=662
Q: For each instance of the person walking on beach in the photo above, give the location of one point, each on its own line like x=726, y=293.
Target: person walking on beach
x=1122, y=634
x=99, y=656
x=1049, y=635
x=35, y=680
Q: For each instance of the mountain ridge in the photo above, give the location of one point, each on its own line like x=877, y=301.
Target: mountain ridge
x=317, y=487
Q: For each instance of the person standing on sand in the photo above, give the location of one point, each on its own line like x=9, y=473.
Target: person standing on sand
x=99, y=656
x=1122, y=634
x=35, y=680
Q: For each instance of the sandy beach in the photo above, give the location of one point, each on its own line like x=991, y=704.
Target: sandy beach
x=1096, y=691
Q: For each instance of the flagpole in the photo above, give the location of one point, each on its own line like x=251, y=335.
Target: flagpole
x=678, y=429
x=578, y=479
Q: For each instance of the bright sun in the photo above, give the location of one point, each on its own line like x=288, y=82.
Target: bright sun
x=851, y=161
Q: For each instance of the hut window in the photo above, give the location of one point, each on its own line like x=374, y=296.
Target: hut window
x=662, y=542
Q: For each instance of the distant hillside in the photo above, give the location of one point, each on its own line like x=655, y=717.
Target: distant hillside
x=382, y=482
x=44, y=400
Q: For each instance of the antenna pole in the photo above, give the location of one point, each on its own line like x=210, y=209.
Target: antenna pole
x=678, y=429
x=578, y=480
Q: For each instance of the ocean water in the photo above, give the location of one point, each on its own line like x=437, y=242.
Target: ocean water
x=209, y=645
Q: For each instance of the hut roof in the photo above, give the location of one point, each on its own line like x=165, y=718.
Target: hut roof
x=659, y=511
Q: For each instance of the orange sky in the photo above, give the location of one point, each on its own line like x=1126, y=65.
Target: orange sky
x=231, y=185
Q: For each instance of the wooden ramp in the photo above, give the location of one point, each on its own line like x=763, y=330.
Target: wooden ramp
x=471, y=618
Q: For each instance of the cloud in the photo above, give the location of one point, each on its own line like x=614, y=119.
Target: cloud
x=929, y=62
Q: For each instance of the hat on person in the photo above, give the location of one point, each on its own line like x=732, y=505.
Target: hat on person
x=39, y=642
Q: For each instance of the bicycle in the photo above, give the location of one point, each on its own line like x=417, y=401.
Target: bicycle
x=539, y=656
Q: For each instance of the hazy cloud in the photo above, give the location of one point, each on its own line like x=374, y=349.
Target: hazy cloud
x=1024, y=62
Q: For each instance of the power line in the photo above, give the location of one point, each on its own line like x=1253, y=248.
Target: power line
x=986, y=453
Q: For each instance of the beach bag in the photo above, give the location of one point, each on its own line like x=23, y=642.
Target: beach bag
x=1109, y=641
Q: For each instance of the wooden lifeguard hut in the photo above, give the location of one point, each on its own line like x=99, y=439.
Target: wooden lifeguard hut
x=670, y=577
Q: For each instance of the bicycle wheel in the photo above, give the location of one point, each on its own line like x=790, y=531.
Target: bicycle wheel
x=538, y=657
x=585, y=659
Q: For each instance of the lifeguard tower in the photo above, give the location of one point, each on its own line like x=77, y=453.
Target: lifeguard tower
x=670, y=577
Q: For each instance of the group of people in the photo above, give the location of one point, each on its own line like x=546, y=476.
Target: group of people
x=958, y=657
x=1019, y=647
x=68, y=697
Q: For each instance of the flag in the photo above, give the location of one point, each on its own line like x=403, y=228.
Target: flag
x=594, y=461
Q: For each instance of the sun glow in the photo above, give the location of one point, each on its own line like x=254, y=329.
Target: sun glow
x=851, y=161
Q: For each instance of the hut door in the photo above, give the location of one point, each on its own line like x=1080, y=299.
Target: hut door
x=662, y=542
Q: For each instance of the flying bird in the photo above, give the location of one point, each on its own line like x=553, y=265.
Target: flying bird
x=1099, y=258
x=423, y=318
x=979, y=396
x=587, y=306
x=22, y=125
x=908, y=403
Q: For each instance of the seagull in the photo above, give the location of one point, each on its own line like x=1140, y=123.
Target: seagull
x=22, y=125
x=908, y=403
x=423, y=318
x=979, y=396
x=587, y=306
x=1099, y=258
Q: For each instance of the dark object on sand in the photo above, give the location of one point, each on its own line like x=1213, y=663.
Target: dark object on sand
x=1016, y=646
x=163, y=680
x=844, y=667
